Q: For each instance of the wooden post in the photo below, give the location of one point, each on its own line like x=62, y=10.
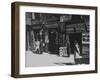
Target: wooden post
x=28, y=46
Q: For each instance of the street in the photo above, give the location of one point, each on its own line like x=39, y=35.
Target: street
x=45, y=59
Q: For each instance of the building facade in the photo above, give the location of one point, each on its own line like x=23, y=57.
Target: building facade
x=57, y=33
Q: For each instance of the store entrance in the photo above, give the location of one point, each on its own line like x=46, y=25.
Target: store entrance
x=53, y=46
x=75, y=37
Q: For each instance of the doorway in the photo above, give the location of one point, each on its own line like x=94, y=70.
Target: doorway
x=53, y=46
x=75, y=37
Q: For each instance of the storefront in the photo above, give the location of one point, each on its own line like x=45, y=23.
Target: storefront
x=57, y=34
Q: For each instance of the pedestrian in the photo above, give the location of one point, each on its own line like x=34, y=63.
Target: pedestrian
x=77, y=50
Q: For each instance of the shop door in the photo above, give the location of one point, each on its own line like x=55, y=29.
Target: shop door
x=75, y=37
x=53, y=46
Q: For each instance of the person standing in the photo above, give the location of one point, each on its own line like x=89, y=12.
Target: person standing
x=37, y=46
x=77, y=50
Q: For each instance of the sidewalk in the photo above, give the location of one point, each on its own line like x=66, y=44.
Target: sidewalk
x=45, y=59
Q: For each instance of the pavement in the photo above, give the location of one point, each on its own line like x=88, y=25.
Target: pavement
x=45, y=59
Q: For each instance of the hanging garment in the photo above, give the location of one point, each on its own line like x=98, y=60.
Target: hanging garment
x=32, y=43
